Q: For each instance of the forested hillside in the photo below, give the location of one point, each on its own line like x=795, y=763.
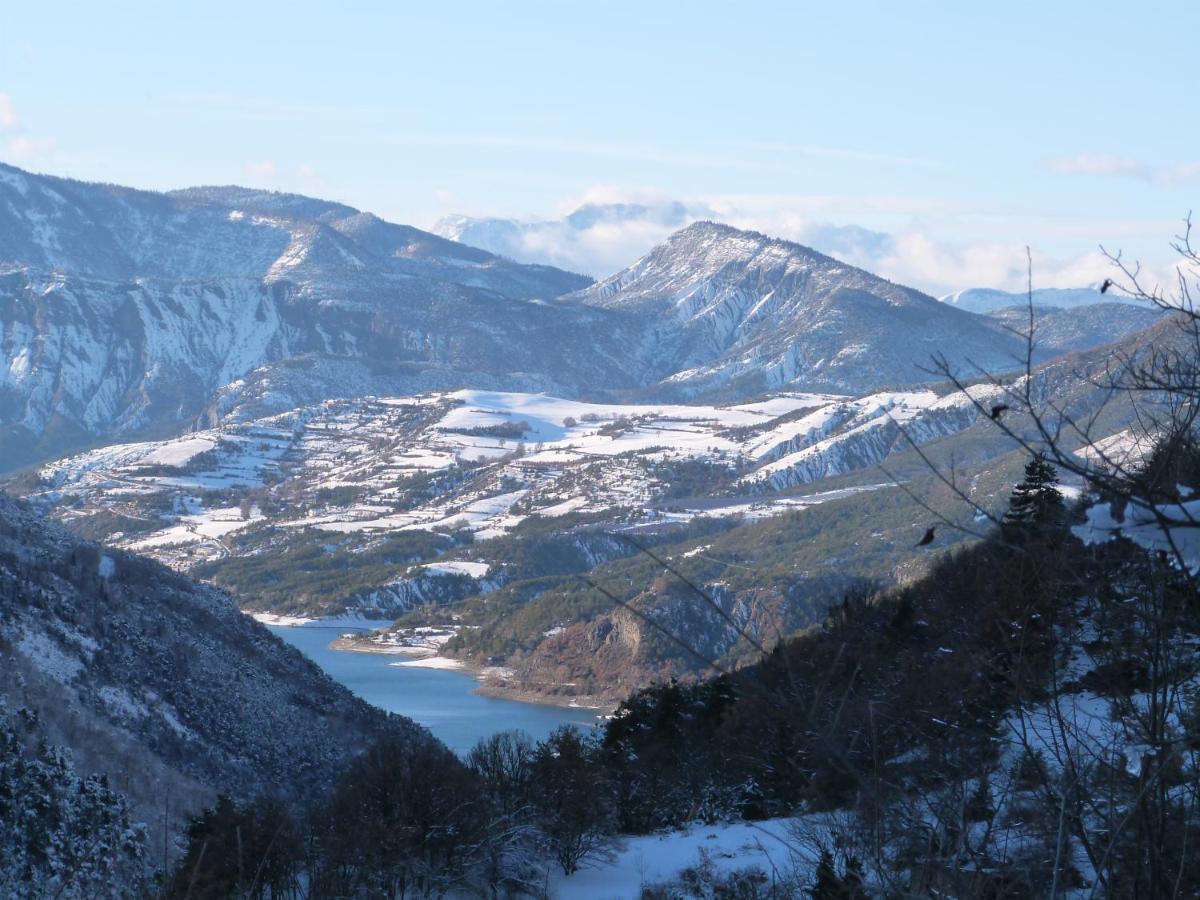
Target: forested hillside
x=130, y=693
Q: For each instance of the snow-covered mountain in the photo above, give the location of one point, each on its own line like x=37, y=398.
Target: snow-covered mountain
x=124, y=311
x=739, y=311
x=98, y=231
x=1060, y=329
x=127, y=314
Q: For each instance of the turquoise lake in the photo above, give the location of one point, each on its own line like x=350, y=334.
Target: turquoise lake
x=441, y=700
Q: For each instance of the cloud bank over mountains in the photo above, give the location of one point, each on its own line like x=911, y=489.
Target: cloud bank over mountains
x=15, y=141
x=609, y=228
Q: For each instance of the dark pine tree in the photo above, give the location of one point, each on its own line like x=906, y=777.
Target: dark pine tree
x=1036, y=501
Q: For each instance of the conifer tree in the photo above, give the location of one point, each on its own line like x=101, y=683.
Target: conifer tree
x=1037, y=499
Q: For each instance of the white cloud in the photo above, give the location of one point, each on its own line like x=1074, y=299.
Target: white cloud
x=917, y=258
x=608, y=228
x=1122, y=167
x=1184, y=172
x=261, y=170
x=8, y=113
x=1099, y=164
x=26, y=149
x=598, y=233
x=19, y=146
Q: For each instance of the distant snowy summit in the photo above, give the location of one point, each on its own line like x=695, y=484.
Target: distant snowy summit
x=595, y=238
x=599, y=238
x=741, y=312
x=988, y=300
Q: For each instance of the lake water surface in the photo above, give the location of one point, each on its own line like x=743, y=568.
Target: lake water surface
x=440, y=699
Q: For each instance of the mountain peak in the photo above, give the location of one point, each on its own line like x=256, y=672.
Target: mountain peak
x=732, y=307
x=707, y=251
x=707, y=236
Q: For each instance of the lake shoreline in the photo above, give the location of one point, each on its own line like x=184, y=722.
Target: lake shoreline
x=500, y=691
x=425, y=689
x=354, y=645
x=490, y=682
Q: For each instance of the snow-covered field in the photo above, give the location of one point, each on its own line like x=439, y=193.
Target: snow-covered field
x=346, y=620
x=477, y=465
x=350, y=463
x=1172, y=529
x=641, y=861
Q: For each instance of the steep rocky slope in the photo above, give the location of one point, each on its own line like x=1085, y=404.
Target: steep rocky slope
x=159, y=682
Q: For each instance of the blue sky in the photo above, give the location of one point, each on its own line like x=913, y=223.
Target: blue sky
x=962, y=133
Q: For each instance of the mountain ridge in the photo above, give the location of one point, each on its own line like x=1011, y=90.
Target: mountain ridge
x=128, y=313
x=991, y=300
x=763, y=312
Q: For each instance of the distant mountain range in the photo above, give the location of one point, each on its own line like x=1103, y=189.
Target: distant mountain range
x=599, y=238
x=128, y=314
x=987, y=300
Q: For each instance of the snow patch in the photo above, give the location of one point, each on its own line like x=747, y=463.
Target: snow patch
x=430, y=662
x=641, y=860
x=49, y=657
x=458, y=567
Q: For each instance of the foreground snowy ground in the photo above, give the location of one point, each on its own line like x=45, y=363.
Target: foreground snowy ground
x=641, y=861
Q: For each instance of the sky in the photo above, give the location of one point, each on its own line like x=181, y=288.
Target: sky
x=957, y=134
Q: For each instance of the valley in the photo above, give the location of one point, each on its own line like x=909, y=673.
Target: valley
x=372, y=421
x=485, y=522
x=622, y=451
